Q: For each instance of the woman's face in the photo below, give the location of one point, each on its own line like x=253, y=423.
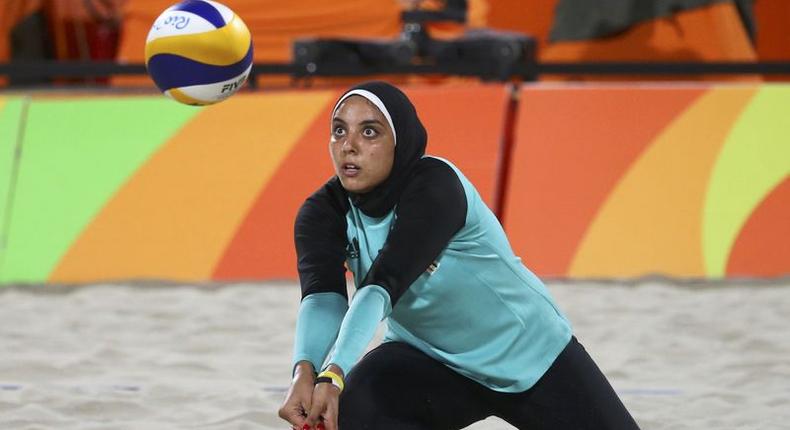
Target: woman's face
x=362, y=145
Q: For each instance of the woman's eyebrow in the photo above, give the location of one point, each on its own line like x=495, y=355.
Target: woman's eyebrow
x=364, y=122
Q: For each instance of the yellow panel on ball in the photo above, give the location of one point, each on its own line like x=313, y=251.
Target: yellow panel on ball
x=199, y=52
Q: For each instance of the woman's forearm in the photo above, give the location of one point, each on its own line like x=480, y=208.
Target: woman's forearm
x=317, y=326
x=369, y=306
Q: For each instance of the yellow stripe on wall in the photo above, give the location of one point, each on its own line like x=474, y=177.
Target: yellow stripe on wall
x=176, y=215
x=221, y=47
x=651, y=222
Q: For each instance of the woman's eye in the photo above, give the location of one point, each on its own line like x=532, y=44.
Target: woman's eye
x=369, y=132
x=338, y=131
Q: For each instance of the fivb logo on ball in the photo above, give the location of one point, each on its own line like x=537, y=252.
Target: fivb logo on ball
x=198, y=52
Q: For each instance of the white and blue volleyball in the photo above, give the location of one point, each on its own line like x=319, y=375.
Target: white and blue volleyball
x=199, y=52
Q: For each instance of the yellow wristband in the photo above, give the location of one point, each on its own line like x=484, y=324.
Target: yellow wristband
x=337, y=381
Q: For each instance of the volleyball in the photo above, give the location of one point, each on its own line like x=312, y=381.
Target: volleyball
x=198, y=52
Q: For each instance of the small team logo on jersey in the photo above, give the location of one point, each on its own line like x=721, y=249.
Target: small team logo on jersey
x=352, y=249
x=432, y=268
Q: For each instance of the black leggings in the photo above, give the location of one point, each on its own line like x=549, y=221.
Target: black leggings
x=397, y=387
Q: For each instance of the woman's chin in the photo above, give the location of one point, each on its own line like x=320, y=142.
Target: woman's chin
x=353, y=186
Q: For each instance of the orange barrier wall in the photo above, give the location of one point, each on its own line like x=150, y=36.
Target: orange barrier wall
x=146, y=188
x=613, y=181
x=624, y=181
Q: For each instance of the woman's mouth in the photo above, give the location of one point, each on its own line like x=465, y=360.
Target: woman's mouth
x=349, y=170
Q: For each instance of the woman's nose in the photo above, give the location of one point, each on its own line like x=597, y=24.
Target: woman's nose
x=349, y=145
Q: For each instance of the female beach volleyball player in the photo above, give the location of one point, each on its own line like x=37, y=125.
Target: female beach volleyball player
x=471, y=332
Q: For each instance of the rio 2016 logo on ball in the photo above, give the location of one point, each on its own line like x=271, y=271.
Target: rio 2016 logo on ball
x=198, y=52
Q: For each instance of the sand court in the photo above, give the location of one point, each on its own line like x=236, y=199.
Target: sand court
x=166, y=356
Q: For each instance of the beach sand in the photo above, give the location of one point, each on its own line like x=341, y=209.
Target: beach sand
x=165, y=356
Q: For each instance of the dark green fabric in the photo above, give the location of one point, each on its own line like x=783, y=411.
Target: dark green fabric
x=592, y=19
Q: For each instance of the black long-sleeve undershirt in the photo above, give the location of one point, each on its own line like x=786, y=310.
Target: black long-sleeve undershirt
x=432, y=208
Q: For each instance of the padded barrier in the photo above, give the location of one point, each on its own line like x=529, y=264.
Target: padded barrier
x=624, y=181
x=606, y=181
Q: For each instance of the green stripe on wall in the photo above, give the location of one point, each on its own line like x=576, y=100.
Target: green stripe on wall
x=76, y=154
x=10, y=111
x=755, y=159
